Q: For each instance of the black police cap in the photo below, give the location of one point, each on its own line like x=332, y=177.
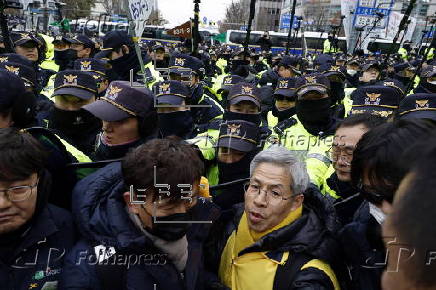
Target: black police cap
x=286, y=87
x=239, y=135
x=418, y=106
x=76, y=83
x=11, y=88
x=122, y=101
x=170, y=93
x=26, y=73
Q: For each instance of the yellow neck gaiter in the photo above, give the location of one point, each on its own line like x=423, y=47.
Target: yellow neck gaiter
x=245, y=237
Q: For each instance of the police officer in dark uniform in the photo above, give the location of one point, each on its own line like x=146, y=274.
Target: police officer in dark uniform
x=129, y=119
x=97, y=68
x=73, y=90
x=207, y=112
x=237, y=145
x=30, y=47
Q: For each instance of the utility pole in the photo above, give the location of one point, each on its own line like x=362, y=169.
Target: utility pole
x=195, y=33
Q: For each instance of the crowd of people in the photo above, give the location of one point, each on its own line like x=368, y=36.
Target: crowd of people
x=155, y=167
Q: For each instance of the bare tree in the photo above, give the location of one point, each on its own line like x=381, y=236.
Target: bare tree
x=236, y=15
x=156, y=18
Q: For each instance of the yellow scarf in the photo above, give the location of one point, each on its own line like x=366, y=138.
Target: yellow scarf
x=245, y=237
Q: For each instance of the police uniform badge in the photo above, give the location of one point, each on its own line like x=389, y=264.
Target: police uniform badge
x=85, y=65
x=113, y=92
x=70, y=80
x=228, y=80
x=334, y=68
x=421, y=104
x=179, y=61
x=13, y=69
x=372, y=99
x=283, y=85
x=311, y=80
x=164, y=88
x=247, y=90
x=3, y=59
x=233, y=129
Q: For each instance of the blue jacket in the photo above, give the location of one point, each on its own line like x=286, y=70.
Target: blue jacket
x=36, y=262
x=102, y=219
x=364, y=250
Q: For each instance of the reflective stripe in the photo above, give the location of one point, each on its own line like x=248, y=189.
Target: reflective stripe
x=320, y=157
x=322, y=266
x=79, y=155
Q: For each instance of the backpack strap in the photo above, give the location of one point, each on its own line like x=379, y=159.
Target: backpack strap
x=285, y=274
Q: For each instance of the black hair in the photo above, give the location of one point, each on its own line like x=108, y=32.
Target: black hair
x=379, y=150
x=370, y=121
x=21, y=155
x=175, y=161
x=413, y=217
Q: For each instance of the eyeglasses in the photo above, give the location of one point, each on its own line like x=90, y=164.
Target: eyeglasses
x=337, y=152
x=273, y=196
x=19, y=193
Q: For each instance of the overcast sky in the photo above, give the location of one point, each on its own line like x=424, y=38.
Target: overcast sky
x=179, y=11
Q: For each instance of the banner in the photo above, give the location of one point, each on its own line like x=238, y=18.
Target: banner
x=140, y=10
x=184, y=30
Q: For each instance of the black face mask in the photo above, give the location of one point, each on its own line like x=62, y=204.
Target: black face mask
x=171, y=231
x=253, y=118
x=176, y=123
x=285, y=114
x=74, y=123
x=337, y=92
x=237, y=170
x=315, y=115
x=64, y=57
x=122, y=66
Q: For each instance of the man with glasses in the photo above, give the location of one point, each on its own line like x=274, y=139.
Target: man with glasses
x=377, y=170
x=337, y=181
x=277, y=239
x=34, y=235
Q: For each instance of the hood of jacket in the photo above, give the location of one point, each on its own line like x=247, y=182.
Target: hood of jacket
x=102, y=217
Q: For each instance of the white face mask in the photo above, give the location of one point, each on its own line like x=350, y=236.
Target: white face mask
x=377, y=213
x=351, y=72
x=433, y=82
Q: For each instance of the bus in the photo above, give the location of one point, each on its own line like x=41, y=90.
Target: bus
x=314, y=41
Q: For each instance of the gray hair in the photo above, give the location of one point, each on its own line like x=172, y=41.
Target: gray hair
x=281, y=156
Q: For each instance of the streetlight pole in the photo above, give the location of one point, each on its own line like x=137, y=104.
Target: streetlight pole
x=195, y=33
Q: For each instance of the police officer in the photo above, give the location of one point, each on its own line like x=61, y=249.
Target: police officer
x=30, y=47
x=237, y=145
x=289, y=67
x=97, y=68
x=17, y=107
x=428, y=80
x=129, y=119
x=119, y=48
x=378, y=99
x=206, y=112
x=418, y=106
x=284, y=103
x=174, y=114
x=73, y=90
x=83, y=45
